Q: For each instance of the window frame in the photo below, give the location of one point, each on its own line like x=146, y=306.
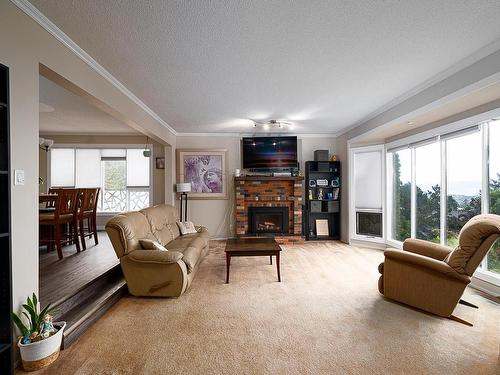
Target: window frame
x=105, y=146
x=352, y=204
x=482, y=121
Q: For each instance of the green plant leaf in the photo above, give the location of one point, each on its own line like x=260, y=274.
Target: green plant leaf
x=35, y=302
x=33, y=317
x=28, y=302
x=20, y=325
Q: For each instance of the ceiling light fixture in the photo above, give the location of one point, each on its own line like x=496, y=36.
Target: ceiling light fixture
x=410, y=122
x=268, y=124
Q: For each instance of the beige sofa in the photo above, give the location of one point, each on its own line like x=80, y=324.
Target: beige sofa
x=154, y=272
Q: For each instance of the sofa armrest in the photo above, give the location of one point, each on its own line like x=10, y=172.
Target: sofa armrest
x=426, y=248
x=155, y=256
x=422, y=261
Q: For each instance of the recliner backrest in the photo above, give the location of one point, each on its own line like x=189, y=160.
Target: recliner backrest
x=475, y=239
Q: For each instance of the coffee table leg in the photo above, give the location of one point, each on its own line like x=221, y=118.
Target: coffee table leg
x=278, y=265
x=271, y=260
x=228, y=263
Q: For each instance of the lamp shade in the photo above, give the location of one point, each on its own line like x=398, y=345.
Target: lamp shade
x=184, y=187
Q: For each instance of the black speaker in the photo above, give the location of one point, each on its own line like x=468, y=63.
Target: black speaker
x=321, y=155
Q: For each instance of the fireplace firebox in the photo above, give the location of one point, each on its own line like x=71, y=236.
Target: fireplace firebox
x=268, y=220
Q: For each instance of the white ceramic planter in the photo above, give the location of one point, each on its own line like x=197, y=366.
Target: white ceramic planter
x=42, y=353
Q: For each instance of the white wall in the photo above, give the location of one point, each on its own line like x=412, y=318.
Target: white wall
x=26, y=46
x=218, y=215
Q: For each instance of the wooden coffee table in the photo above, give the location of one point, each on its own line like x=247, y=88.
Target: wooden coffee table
x=252, y=247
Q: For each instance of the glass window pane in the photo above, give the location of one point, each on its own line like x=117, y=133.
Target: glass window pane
x=88, y=168
x=62, y=167
x=493, y=259
x=463, y=182
x=137, y=168
x=368, y=180
x=114, y=194
x=401, y=197
x=428, y=191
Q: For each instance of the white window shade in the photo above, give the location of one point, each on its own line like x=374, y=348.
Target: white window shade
x=137, y=168
x=113, y=153
x=88, y=168
x=62, y=167
x=368, y=180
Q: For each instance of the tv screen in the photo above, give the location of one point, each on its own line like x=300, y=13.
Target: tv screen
x=269, y=152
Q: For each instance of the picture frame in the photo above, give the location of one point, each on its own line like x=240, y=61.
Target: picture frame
x=205, y=169
x=160, y=163
x=322, y=229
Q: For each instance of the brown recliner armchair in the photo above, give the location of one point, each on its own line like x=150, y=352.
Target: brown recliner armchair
x=432, y=277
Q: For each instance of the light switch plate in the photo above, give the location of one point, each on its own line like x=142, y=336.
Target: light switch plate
x=19, y=177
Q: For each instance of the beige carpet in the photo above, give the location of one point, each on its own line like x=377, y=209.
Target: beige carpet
x=326, y=317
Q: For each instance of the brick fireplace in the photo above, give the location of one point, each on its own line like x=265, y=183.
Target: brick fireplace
x=268, y=192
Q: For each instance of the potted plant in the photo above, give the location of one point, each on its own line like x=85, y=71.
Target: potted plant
x=41, y=339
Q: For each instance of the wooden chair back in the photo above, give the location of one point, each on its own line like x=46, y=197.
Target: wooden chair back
x=89, y=199
x=67, y=200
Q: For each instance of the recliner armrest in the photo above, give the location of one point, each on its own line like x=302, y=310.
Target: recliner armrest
x=417, y=260
x=155, y=256
x=426, y=248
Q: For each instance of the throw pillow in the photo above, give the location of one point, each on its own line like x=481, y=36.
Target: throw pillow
x=186, y=227
x=147, y=244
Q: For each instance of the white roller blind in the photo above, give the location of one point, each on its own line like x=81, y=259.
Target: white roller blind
x=368, y=180
x=113, y=153
x=88, y=168
x=137, y=168
x=62, y=167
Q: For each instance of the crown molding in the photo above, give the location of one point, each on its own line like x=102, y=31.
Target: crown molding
x=33, y=12
x=455, y=68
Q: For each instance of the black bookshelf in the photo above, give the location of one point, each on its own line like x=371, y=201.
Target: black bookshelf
x=322, y=198
x=6, y=339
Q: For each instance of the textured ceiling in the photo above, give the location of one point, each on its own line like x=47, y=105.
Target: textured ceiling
x=209, y=66
x=62, y=112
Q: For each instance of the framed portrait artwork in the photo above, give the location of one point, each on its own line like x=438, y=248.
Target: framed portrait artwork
x=160, y=163
x=205, y=170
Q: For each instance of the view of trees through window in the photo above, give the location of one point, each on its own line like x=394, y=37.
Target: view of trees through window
x=428, y=191
x=463, y=170
x=493, y=259
x=401, y=197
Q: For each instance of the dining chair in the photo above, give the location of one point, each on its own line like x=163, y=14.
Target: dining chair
x=87, y=211
x=64, y=215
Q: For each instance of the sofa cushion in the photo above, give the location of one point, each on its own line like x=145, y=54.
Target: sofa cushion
x=147, y=244
x=162, y=219
x=186, y=227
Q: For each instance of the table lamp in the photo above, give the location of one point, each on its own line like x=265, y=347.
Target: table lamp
x=183, y=188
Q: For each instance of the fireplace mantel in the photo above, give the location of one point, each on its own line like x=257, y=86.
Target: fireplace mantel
x=269, y=178
x=267, y=191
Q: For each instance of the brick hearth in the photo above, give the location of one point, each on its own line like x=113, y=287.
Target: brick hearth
x=254, y=191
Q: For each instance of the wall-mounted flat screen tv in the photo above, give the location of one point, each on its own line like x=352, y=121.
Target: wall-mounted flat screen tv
x=269, y=152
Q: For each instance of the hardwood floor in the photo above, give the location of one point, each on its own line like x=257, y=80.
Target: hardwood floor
x=60, y=278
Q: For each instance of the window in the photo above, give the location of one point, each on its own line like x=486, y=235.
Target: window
x=367, y=191
x=122, y=174
x=401, y=197
x=440, y=183
x=62, y=167
x=492, y=263
x=428, y=192
x=463, y=183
